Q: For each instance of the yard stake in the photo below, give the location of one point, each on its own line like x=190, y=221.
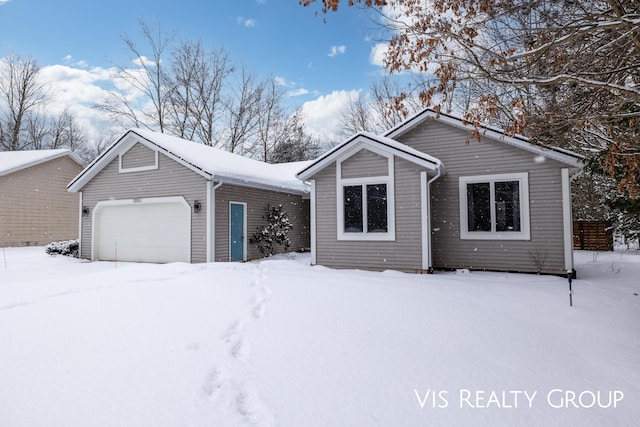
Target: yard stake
x=4, y=255
x=570, y=277
x=115, y=256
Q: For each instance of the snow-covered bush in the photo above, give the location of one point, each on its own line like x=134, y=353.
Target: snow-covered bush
x=276, y=230
x=66, y=247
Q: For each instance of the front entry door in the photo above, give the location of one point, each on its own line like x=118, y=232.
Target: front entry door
x=237, y=230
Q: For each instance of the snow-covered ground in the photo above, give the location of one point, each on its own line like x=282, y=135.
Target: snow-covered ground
x=278, y=342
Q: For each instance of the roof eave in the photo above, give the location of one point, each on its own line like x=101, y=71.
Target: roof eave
x=33, y=163
x=364, y=138
x=564, y=156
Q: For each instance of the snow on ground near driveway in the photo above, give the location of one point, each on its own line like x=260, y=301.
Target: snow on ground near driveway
x=280, y=343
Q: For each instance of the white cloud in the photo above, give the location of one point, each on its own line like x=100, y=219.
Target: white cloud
x=4, y=1
x=378, y=51
x=68, y=59
x=322, y=115
x=143, y=60
x=297, y=92
x=261, y=1
x=247, y=22
x=281, y=81
x=337, y=50
x=77, y=89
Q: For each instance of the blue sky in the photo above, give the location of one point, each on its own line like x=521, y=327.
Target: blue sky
x=320, y=63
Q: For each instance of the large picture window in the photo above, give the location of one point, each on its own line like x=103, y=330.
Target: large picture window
x=494, y=207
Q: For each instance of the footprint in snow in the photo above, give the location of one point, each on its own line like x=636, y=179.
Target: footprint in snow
x=250, y=406
x=213, y=383
x=240, y=350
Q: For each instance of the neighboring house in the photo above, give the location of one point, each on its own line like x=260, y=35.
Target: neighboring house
x=35, y=207
x=151, y=197
x=426, y=195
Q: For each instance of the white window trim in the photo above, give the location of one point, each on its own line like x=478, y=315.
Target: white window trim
x=122, y=169
x=524, y=234
x=388, y=179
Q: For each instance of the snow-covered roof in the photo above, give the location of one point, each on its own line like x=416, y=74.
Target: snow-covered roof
x=210, y=162
x=519, y=141
x=363, y=139
x=13, y=161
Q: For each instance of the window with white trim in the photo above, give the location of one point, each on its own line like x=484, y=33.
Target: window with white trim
x=495, y=207
x=365, y=206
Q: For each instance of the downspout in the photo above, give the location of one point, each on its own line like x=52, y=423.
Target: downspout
x=567, y=178
x=439, y=173
x=312, y=221
x=211, y=219
x=80, y=219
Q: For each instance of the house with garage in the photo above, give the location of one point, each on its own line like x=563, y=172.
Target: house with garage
x=151, y=197
x=35, y=207
x=426, y=196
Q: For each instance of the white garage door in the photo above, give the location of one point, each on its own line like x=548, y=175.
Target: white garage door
x=143, y=230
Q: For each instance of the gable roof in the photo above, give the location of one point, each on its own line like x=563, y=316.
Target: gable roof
x=364, y=140
x=211, y=163
x=564, y=156
x=13, y=161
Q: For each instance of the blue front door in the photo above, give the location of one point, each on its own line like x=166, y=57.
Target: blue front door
x=236, y=237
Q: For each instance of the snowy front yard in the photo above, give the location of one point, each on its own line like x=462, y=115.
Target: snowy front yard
x=279, y=343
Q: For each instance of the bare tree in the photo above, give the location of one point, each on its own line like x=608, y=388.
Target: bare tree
x=21, y=95
x=272, y=126
x=197, y=101
x=243, y=112
x=65, y=132
x=295, y=144
x=149, y=81
x=386, y=104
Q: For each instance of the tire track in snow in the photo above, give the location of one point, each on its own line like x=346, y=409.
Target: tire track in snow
x=226, y=384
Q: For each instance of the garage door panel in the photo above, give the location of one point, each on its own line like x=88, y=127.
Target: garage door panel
x=156, y=230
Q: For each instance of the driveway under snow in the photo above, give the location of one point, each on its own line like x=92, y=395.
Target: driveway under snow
x=280, y=343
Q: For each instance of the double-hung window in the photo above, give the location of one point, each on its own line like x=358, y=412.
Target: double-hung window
x=494, y=207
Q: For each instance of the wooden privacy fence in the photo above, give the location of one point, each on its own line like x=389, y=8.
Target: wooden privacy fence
x=592, y=235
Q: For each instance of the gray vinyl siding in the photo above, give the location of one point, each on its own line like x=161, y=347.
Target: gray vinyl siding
x=170, y=179
x=138, y=156
x=257, y=201
x=405, y=253
x=364, y=164
x=35, y=207
x=490, y=157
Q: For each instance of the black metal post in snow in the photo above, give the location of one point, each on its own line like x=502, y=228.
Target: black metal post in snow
x=570, y=278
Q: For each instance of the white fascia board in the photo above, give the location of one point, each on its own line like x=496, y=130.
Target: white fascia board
x=240, y=182
x=374, y=143
x=95, y=166
x=122, y=145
